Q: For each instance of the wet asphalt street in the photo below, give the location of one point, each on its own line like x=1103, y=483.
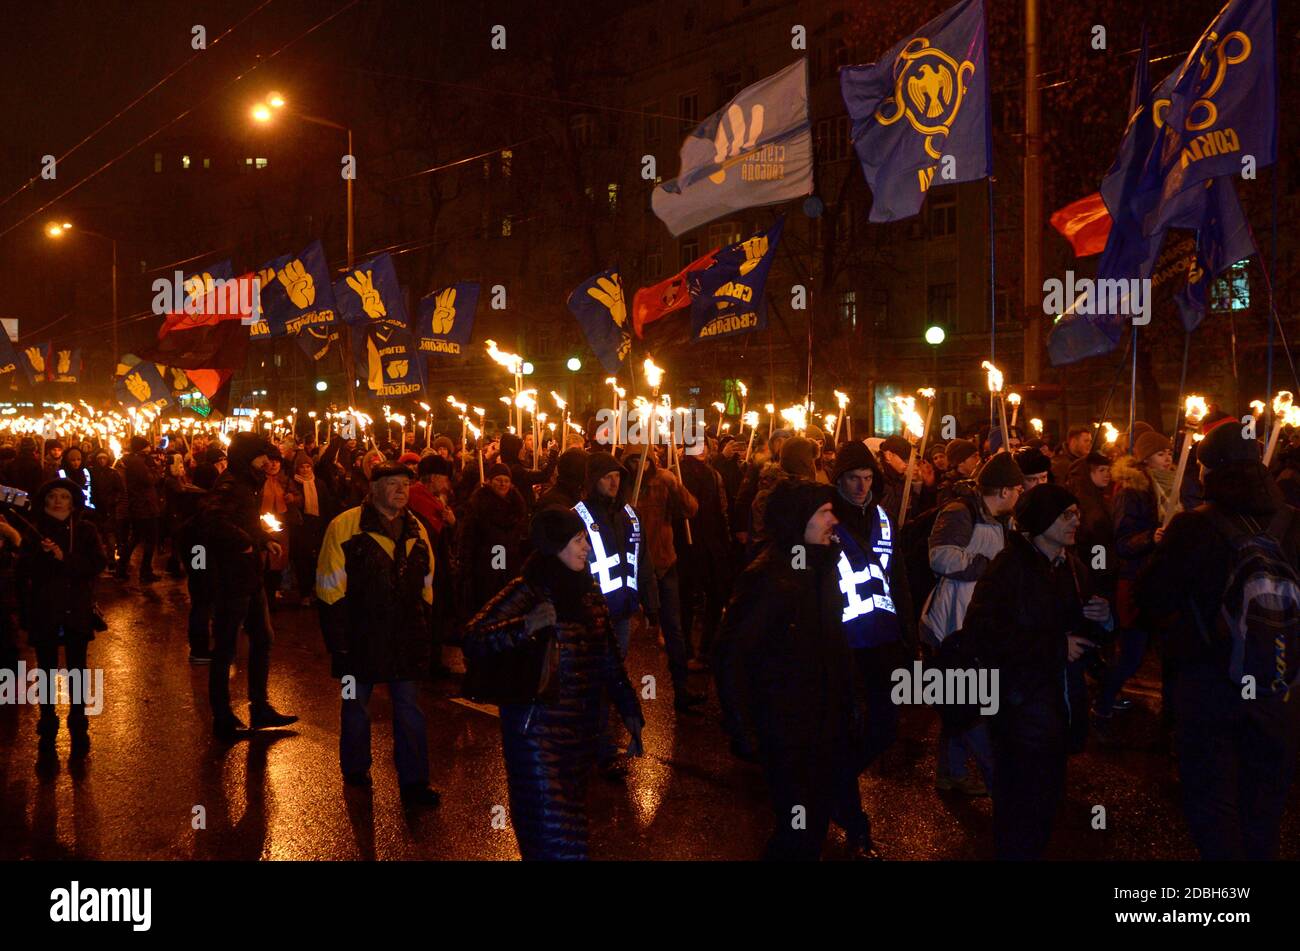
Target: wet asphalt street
x=279, y=795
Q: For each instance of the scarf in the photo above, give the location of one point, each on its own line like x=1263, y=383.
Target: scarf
x=310, y=502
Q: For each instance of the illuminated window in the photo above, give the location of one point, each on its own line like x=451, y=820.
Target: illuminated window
x=884, y=418
x=612, y=191
x=1232, y=291
x=207, y=163
x=731, y=397
x=507, y=225
x=185, y=161
x=507, y=159
x=849, y=310
x=157, y=161
x=260, y=163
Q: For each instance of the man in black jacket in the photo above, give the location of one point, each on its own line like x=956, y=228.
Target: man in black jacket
x=1032, y=611
x=234, y=541
x=374, y=579
x=785, y=675
x=143, y=508
x=1236, y=747
x=877, y=613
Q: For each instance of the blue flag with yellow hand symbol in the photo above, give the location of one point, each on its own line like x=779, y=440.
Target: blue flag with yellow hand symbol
x=386, y=359
x=755, y=150
x=295, y=293
x=1220, y=111
x=920, y=114
x=142, y=384
x=370, y=292
x=445, y=319
x=727, y=296
x=64, y=364
x=600, y=307
x=315, y=340
x=33, y=358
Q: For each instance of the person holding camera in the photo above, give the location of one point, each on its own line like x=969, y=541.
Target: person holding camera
x=543, y=649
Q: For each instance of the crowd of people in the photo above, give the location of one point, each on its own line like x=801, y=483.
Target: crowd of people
x=776, y=564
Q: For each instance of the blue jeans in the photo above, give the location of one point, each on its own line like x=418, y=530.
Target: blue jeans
x=954, y=748
x=1132, y=648
x=410, y=740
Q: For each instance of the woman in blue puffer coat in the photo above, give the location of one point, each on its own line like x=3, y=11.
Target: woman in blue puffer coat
x=544, y=650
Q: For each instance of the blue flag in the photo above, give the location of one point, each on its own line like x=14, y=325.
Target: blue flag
x=64, y=365
x=370, y=293
x=1221, y=108
x=755, y=150
x=921, y=113
x=445, y=318
x=142, y=384
x=386, y=359
x=316, y=339
x=8, y=357
x=727, y=296
x=32, y=358
x=295, y=293
x=1128, y=255
x=601, y=309
x=1222, y=239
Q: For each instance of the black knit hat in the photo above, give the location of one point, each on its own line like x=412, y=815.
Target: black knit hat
x=1041, y=506
x=1225, y=444
x=1032, y=461
x=553, y=528
x=999, y=471
x=958, y=451
x=434, y=464
x=496, y=469
x=851, y=456
x=789, y=507
x=898, y=446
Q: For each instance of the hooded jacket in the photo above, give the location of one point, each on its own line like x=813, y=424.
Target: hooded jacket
x=550, y=745
x=570, y=480
x=1136, y=514
x=966, y=537
x=229, y=521
x=141, y=475
x=663, y=499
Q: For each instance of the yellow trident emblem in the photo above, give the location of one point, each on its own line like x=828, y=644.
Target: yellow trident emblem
x=929, y=86
x=1211, y=53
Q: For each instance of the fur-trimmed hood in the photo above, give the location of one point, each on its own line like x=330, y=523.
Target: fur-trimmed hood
x=1126, y=472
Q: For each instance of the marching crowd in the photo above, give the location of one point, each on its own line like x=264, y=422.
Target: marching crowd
x=775, y=564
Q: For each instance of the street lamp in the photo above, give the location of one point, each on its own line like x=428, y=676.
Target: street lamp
x=56, y=230
x=262, y=113
x=574, y=364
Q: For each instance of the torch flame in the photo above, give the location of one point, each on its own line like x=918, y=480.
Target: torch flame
x=842, y=399
x=1195, y=410
x=751, y=419
x=559, y=402
x=1111, y=433
x=1257, y=407
x=744, y=390
x=272, y=522
x=926, y=391
x=995, y=377
x=511, y=361
x=1037, y=424
x=654, y=375
x=1281, y=402
x=796, y=416
x=1013, y=399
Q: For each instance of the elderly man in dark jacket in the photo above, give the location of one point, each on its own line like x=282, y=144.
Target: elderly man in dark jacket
x=374, y=579
x=235, y=541
x=1032, y=610
x=56, y=573
x=143, y=508
x=1236, y=747
x=785, y=676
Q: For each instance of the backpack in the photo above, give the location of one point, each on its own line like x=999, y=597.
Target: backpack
x=1261, y=603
